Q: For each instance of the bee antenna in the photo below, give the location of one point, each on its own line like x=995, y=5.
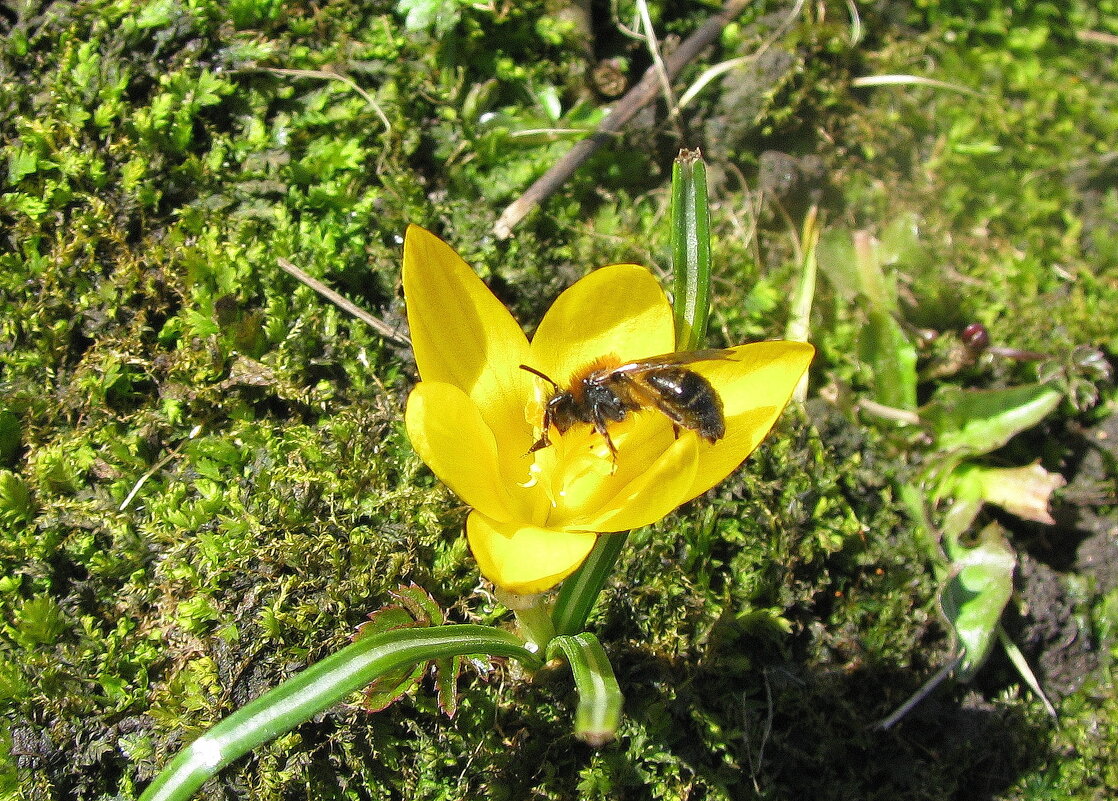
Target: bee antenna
x=536, y=372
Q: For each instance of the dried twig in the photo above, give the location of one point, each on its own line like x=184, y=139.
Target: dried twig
x=380, y=326
x=1097, y=37
x=643, y=93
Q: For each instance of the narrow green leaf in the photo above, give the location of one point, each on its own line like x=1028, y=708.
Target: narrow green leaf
x=1023, y=669
x=599, y=696
x=319, y=687
x=580, y=591
x=690, y=249
x=799, y=312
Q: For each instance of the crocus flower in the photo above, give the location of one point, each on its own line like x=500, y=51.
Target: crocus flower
x=475, y=414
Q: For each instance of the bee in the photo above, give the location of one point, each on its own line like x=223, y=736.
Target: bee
x=605, y=392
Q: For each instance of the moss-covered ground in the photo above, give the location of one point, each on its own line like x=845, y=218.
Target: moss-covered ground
x=204, y=480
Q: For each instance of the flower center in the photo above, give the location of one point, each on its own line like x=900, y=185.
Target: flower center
x=577, y=474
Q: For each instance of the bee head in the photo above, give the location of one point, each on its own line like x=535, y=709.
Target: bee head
x=563, y=411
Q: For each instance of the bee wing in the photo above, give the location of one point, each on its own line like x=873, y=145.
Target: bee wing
x=638, y=368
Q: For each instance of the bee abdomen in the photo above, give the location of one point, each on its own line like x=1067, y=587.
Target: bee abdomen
x=693, y=400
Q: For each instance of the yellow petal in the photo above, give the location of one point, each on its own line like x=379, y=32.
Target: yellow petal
x=654, y=492
x=462, y=335
x=525, y=559
x=618, y=310
x=448, y=432
x=755, y=387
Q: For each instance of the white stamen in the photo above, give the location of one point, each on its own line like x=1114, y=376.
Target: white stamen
x=533, y=479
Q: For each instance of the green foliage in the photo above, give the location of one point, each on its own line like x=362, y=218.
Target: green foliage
x=204, y=484
x=1010, y=182
x=413, y=607
x=855, y=266
x=978, y=422
x=975, y=596
x=443, y=15
x=15, y=498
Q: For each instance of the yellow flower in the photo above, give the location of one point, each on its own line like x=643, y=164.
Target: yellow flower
x=475, y=414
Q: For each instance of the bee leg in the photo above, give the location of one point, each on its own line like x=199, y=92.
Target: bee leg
x=541, y=443
x=612, y=452
x=675, y=430
x=600, y=427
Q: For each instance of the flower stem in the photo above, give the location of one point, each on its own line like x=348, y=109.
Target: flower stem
x=799, y=321
x=532, y=617
x=319, y=687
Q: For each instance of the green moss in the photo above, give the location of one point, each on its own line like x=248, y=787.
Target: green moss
x=204, y=482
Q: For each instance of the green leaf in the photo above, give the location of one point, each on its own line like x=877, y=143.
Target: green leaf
x=391, y=687
x=387, y=619
x=1023, y=491
x=837, y=261
x=39, y=621
x=976, y=593
x=599, y=695
x=15, y=498
x=420, y=604
x=853, y=264
x=12, y=683
x=319, y=687
x=580, y=591
x=25, y=204
x=446, y=683
x=980, y=421
x=690, y=249
x=1026, y=672
x=157, y=14
x=422, y=14
x=21, y=161
x=900, y=242
x=891, y=357
x=415, y=609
